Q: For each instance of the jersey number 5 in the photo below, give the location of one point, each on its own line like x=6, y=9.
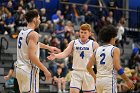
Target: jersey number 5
x=103, y=57
x=82, y=54
x=19, y=42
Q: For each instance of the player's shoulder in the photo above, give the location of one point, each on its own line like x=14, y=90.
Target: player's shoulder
x=116, y=48
x=33, y=33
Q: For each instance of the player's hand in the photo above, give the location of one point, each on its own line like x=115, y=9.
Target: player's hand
x=130, y=84
x=51, y=56
x=6, y=77
x=55, y=50
x=47, y=75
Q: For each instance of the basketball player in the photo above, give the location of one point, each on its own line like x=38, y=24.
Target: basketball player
x=28, y=63
x=82, y=50
x=107, y=59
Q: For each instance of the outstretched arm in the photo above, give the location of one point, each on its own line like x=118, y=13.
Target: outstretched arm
x=116, y=62
x=63, y=54
x=51, y=48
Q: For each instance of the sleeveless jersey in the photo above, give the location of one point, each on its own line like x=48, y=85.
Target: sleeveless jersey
x=104, y=61
x=22, y=50
x=82, y=54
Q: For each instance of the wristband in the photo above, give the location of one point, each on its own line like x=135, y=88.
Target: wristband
x=120, y=71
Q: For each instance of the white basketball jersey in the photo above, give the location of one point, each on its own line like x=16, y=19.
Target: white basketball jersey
x=104, y=61
x=22, y=49
x=82, y=54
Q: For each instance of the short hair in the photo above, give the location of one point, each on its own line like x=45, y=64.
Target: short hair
x=30, y=15
x=85, y=27
x=107, y=33
x=59, y=67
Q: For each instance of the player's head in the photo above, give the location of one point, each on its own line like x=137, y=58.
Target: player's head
x=108, y=34
x=85, y=32
x=32, y=16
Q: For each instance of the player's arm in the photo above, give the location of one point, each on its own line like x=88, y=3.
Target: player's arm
x=89, y=66
x=50, y=48
x=32, y=44
x=63, y=54
x=66, y=52
x=95, y=45
x=119, y=69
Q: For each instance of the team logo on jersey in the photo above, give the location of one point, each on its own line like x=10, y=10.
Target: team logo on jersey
x=82, y=48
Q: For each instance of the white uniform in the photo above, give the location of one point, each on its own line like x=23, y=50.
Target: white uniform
x=27, y=73
x=81, y=56
x=105, y=77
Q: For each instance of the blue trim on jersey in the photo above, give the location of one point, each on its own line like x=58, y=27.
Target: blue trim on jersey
x=92, y=45
x=73, y=43
x=76, y=88
x=85, y=42
x=27, y=36
x=31, y=79
x=88, y=90
x=113, y=85
x=35, y=82
x=112, y=52
x=112, y=82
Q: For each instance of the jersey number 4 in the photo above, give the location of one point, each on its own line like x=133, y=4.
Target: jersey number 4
x=82, y=54
x=103, y=57
x=19, y=42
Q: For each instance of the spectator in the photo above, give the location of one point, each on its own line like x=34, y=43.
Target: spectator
x=44, y=19
x=110, y=19
x=31, y=5
x=19, y=18
x=67, y=12
x=54, y=42
x=10, y=24
x=100, y=24
x=134, y=78
x=59, y=79
x=112, y=4
x=69, y=28
x=59, y=30
x=89, y=18
x=57, y=17
x=76, y=17
x=2, y=29
x=9, y=75
x=120, y=34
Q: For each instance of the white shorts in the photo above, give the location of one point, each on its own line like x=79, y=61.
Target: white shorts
x=82, y=79
x=106, y=85
x=28, y=81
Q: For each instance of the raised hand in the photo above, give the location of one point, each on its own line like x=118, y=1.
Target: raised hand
x=51, y=56
x=55, y=50
x=6, y=77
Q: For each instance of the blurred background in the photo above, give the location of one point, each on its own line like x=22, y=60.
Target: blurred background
x=60, y=21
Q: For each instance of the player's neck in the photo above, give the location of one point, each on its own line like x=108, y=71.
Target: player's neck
x=106, y=44
x=84, y=41
x=31, y=26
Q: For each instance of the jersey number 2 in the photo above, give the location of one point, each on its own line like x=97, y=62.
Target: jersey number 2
x=82, y=54
x=103, y=57
x=19, y=42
